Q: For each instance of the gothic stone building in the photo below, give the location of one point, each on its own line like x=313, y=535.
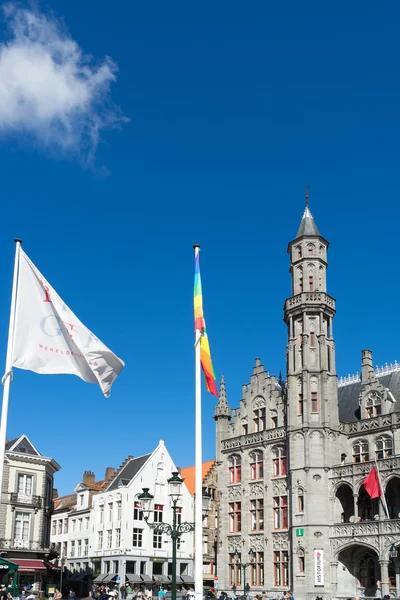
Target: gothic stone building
x=291, y=460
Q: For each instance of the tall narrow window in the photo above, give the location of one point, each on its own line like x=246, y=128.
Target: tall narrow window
x=279, y=461
x=314, y=402
x=298, y=251
x=119, y=510
x=281, y=569
x=300, y=285
x=301, y=563
x=101, y=513
x=137, y=511
x=245, y=429
x=280, y=512
x=257, y=570
x=300, y=501
x=21, y=529
x=235, y=517
x=313, y=340
x=259, y=419
x=256, y=465
x=110, y=512
x=234, y=570
x=117, y=538
x=157, y=540
x=158, y=513
x=300, y=404
x=100, y=540
x=257, y=515
x=72, y=551
x=109, y=538
x=274, y=420
x=311, y=283
x=235, y=469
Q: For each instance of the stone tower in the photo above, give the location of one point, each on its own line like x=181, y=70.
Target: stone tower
x=312, y=406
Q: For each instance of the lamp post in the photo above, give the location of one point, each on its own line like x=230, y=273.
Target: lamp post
x=175, y=530
x=244, y=566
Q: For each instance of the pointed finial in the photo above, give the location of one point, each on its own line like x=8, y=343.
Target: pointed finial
x=306, y=196
x=222, y=391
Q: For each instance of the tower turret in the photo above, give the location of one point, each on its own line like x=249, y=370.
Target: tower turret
x=222, y=416
x=308, y=314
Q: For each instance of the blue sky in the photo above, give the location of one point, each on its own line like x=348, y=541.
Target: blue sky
x=217, y=118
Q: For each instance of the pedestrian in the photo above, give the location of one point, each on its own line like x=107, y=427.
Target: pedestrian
x=161, y=593
x=72, y=595
x=190, y=593
x=122, y=591
x=264, y=595
x=22, y=595
x=57, y=595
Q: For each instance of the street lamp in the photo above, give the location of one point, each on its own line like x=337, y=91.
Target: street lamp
x=244, y=566
x=393, y=552
x=175, y=530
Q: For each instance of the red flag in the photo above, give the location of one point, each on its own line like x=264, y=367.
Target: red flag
x=372, y=485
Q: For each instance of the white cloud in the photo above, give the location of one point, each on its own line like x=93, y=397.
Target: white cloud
x=51, y=91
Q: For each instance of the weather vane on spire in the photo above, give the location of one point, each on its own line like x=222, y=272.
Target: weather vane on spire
x=306, y=196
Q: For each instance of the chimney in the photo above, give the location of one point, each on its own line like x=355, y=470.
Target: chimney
x=367, y=368
x=88, y=477
x=55, y=493
x=110, y=472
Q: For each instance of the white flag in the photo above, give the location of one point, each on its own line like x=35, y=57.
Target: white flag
x=50, y=339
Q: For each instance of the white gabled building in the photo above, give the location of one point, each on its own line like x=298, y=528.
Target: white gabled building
x=121, y=542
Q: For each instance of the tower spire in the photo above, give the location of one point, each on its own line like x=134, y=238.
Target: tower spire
x=222, y=400
x=306, y=196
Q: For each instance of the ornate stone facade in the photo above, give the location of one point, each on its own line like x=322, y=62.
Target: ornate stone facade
x=292, y=458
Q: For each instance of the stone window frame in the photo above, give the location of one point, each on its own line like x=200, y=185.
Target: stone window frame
x=361, y=453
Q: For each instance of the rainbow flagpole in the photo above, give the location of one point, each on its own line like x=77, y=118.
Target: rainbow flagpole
x=202, y=361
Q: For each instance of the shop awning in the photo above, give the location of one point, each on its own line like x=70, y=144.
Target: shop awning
x=161, y=578
x=29, y=566
x=133, y=578
x=99, y=578
x=109, y=577
x=146, y=579
x=82, y=576
x=187, y=579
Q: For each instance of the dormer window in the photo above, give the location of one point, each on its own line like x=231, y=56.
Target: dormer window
x=373, y=407
x=81, y=499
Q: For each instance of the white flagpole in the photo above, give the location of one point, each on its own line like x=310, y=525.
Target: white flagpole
x=198, y=513
x=7, y=378
x=383, y=497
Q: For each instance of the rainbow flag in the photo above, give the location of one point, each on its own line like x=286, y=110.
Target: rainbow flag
x=200, y=324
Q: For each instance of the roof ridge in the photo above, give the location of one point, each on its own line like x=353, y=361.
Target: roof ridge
x=386, y=369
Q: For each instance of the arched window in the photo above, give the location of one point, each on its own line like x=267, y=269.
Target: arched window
x=235, y=469
x=301, y=559
x=360, y=451
x=300, y=500
x=256, y=465
x=298, y=251
x=373, y=406
x=310, y=249
x=383, y=447
x=279, y=461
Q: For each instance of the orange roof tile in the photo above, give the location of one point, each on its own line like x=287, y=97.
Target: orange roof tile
x=188, y=474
